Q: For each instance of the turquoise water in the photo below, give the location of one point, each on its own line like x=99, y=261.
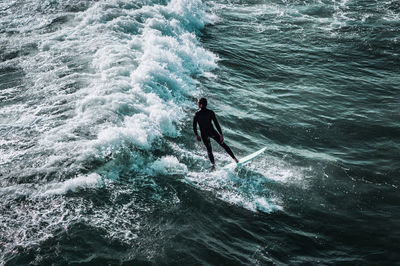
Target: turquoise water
x=99, y=164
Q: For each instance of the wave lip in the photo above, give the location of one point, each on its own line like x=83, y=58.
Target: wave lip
x=169, y=165
x=89, y=181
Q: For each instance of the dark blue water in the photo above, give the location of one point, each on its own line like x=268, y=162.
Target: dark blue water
x=99, y=164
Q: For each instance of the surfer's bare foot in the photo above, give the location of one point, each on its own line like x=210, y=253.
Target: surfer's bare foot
x=213, y=167
x=236, y=160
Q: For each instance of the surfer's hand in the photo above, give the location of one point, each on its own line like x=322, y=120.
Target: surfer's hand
x=222, y=138
x=198, y=138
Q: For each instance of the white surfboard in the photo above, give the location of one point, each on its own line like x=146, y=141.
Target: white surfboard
x=245, y=159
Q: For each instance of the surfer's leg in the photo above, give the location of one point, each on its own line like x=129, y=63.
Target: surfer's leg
x=207, y=143
x=217, y=138
x=228, y=150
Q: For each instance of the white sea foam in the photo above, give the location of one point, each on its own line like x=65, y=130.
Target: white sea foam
x=102, y=84
x=28, y=223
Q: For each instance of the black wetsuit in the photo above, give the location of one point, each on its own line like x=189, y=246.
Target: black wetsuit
x=203, y=117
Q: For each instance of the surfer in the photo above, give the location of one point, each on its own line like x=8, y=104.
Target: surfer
x=203, y=117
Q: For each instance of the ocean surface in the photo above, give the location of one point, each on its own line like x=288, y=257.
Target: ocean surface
x=99, y=164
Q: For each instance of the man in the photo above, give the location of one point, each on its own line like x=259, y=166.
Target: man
x=203, y=117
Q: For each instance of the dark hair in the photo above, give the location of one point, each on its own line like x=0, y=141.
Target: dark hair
x=203, y=101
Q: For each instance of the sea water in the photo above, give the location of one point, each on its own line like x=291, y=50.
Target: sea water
x=99, y=163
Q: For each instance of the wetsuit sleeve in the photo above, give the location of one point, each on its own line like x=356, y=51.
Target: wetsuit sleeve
x=214, y=118
x=195, y=125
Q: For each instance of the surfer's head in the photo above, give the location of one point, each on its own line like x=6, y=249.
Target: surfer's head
x=202, y=102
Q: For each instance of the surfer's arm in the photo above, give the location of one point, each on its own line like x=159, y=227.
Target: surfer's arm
x=195, y=128
x=214, y=119
x=195, y=125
